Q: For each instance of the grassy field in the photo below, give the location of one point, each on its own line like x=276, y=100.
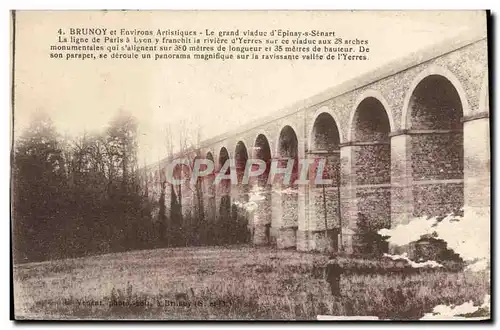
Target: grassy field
x=226, y=283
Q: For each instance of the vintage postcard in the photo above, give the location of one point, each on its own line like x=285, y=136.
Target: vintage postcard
x=250, y=165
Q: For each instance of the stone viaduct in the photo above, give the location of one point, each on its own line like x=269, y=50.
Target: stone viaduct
x=408, y=139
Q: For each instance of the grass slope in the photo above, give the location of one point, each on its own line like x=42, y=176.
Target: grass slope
x=225, y=283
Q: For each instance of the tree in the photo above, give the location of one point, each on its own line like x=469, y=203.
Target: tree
x=121, y=140
x=80, y=195
x=39, y=191
x=186, y=221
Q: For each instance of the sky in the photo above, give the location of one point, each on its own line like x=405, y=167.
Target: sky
x=212, y=95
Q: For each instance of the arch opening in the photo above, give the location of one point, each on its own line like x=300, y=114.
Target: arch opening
x=288, y=149
x=223, y=156
x=241, y=157
x=288, y=143
x=225, y=219
x=240, y=215
x=372, y=166
x=325, y=133
x=324, y=200
x=371, y=122
x=260, y=195
x=284, y=228
x=435, y=122
x=208, y=180
x=262, y=151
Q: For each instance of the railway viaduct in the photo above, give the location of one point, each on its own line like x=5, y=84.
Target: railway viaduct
x=408, y=139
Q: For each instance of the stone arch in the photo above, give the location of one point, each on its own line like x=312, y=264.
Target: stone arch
x=324, y=133
x=240, y=232
x=223, y=156
x=261, y=193
x=433, y=113
x=241, y=140
x=210, y=155
x=433, y=70
x=285, y=225
x=263, y=136
x=287, y=142
x=262, y=150
x=321, y=111
x=278, y=136
x=371, y=164
x=210, y=178
x=240, y=159
x=370, y=122
x=288, y=147
x=324, y=199
x=224, y=194
x=224, y=189
x=369, y=94
x=217, y=160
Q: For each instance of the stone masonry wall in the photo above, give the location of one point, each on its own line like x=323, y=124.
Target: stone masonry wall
x=423, y=167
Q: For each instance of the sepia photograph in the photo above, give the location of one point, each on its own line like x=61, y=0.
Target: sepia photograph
x=250, y=165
